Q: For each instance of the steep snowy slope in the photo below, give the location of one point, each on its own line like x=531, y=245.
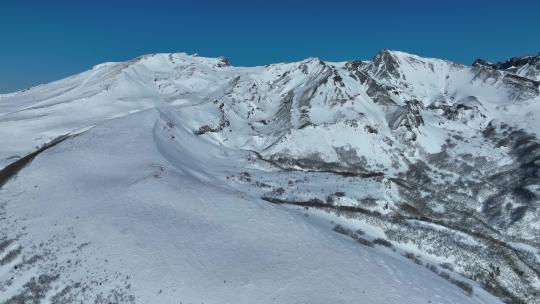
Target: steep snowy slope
x=125, y=213
x=186, y=178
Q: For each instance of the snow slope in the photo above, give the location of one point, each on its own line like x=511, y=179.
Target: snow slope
x=116, y=206
x=185, y=179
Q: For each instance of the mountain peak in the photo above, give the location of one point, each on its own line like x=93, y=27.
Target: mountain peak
x=386, y=64
x=398, y=55
x=391, y=151
x=525, y=66
x=482, y=62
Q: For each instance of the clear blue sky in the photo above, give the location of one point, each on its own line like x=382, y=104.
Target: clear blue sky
x=41, y=41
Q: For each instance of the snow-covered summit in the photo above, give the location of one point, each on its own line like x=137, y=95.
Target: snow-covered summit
x=260, y=183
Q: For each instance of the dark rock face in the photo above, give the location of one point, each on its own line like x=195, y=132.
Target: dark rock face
x=223, y=62
x=525, y=66
x=407, y=116
x=466, y=109
x=484, y=63
x=385, y=65
x=380, y=93
x=519, y=87
x=516, y=62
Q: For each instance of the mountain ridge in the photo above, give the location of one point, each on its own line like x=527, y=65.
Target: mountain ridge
x=503, y=65
x=435, y=160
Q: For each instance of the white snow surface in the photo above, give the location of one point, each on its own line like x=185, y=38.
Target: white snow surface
x=156, y=210
x=134, y=203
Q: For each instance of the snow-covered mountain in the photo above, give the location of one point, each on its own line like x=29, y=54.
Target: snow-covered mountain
x=525, y=66
x=177, y=178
